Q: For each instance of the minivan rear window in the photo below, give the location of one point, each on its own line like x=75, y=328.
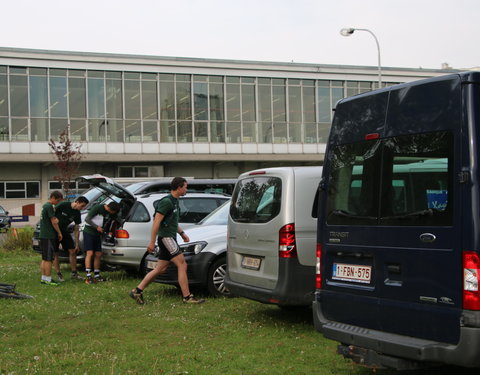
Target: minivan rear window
x=256, y=199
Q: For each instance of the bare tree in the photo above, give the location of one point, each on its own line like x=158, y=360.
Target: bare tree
x=68, y=155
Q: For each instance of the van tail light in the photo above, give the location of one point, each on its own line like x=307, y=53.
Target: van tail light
x=121, y=233
x=287, y=247
x=318, y=267
x=471, y=268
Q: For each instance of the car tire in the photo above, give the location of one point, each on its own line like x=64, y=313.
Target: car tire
x=216, y=278
x=142, y=271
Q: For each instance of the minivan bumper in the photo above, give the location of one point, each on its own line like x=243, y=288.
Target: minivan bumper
x=295, y=286
x=388, y=347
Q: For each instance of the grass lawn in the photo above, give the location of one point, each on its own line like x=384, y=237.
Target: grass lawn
x=97, y=329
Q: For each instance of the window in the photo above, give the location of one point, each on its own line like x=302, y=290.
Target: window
x=412, y=175
x=256, y=199
x=192, y=210
x=133, y=171
x=19, y=189
x=140, y=215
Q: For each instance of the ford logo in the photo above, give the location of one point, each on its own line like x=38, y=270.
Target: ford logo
x=427, y=237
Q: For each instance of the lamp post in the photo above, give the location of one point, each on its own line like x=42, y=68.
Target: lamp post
x=349, y=31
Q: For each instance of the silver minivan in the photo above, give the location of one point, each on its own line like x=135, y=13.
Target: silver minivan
x=271, y=235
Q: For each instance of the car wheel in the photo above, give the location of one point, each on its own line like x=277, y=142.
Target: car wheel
x=216, y=278
x=142, y=271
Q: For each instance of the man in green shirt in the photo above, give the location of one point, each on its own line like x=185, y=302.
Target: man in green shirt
x=67, y=213
x=165, y=227
x=92, y=237
x=49, y=236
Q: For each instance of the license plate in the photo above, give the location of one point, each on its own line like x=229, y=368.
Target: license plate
x=352, y=272
x=251, y=263
x=151, y=264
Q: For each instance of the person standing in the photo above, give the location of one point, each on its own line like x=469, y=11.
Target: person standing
x=49, y=236
x=92, y=237
x=164, y=229
x=67, y=213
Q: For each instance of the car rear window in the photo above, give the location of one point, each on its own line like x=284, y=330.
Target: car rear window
x=256, y=199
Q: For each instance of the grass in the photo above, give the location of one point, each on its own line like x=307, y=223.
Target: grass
x=97, y=329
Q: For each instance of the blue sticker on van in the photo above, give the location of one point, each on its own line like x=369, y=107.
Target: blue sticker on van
x=437, y=199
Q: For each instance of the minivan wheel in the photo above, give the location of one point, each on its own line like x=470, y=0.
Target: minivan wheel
x=216, y=278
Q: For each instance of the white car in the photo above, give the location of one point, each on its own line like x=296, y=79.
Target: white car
x=129, y=249
x=205, y=255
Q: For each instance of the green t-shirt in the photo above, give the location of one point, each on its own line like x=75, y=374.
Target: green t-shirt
x=168, y=206
x=46, y=228
x=66, y=214
x=97, y=215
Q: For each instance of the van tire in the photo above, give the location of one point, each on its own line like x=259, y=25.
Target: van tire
x=216, y=278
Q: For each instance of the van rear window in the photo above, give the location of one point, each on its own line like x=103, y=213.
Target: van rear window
x=256, y=199
x=404, y=180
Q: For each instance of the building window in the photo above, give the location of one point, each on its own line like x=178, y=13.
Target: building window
x=129, y=171
x=19, y=189
x=76, y=188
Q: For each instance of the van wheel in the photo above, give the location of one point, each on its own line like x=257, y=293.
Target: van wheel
x=216, y=278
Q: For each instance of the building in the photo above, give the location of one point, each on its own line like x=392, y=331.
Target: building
x=148, y=116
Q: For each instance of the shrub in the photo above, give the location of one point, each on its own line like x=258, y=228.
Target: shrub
x=18, y=239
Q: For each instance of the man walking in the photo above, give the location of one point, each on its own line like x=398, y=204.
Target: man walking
x=49, y=236
x=92, y=237
x=165, y=226
x=67, y=213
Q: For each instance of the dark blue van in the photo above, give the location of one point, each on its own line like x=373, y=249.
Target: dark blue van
x=398, y=252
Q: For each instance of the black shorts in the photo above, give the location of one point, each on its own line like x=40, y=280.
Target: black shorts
x=92, y=242
x=168, y=247
x=49, y=247
x=67, y=241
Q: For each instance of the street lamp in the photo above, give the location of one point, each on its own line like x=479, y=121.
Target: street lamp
x=349, y=31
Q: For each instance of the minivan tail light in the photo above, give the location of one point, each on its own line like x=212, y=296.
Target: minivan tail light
x=471, y=268
x=121, y=233
x=287, y=247
x=318, y=268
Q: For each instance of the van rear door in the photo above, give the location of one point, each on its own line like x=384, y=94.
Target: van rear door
x=256, y=216
x=391, y=249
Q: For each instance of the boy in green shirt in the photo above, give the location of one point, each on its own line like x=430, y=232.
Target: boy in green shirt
x=92, y=237
x=67, y=213
x=49, y=236
x=164, y=229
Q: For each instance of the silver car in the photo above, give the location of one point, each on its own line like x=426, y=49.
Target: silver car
x=205, y=255
x=131, y=239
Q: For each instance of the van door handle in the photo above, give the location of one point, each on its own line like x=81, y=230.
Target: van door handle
x=427, y=237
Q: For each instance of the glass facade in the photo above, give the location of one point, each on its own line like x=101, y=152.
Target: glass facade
x=37, y=104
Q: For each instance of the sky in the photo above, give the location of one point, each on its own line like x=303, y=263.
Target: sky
x=411, y=33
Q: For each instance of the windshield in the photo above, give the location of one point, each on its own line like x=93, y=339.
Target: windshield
x=218, y=216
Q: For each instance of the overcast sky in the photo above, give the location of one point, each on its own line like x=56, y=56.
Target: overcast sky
x=411, y=33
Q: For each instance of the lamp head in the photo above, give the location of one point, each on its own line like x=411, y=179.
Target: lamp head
x=347, y=31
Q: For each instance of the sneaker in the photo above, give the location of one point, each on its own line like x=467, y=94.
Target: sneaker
x=60, y=277
x=138, y=297
x=192, y=299
x=99, y=279
x=49, y=283
x=76, y=276
x=89, y=280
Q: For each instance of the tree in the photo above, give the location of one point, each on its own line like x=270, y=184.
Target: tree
x=69, y=156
